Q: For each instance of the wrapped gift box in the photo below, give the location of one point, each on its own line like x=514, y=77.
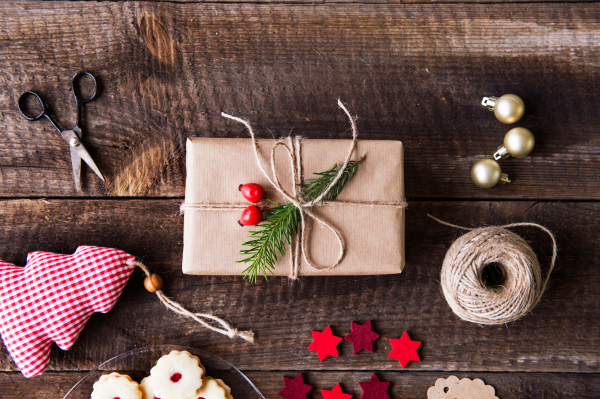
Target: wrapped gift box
x=369, y=212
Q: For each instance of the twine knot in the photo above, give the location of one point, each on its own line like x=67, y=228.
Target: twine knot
x=292, y=147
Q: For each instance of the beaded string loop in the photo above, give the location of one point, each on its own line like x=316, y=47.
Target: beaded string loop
x=202, y=318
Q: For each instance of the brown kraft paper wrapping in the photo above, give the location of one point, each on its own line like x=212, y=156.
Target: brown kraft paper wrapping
x=374, y=235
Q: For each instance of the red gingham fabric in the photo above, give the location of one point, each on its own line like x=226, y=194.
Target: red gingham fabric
x=53, y=296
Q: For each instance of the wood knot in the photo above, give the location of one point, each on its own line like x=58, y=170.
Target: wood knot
x=156, y=37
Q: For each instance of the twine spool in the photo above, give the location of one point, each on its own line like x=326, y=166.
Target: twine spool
x=523, y=282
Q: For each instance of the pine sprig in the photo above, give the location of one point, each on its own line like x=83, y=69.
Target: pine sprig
x=281, y=223
x=277, y=229
x=313, y=188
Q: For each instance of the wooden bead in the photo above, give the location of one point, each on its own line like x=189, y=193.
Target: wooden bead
x=153, y=283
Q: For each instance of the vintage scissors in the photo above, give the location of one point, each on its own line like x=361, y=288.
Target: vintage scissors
x=73, y=136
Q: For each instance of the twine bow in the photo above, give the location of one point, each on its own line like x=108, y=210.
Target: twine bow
x=293, y=150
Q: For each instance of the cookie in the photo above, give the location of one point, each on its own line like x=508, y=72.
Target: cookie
x=177, y=375
x=116, y=385
x=213, y=388
x=146, y=388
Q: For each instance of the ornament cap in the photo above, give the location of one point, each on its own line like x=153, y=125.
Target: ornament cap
x=501, y=153
x=489, y=102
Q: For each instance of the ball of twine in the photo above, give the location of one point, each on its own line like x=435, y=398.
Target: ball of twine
x=523, y=282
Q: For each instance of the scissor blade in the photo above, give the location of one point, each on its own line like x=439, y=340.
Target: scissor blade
x=76, y=147
x=76, y=163
x=83, y=154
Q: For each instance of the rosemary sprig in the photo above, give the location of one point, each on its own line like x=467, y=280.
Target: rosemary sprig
x=277, y=229
x=313, y=188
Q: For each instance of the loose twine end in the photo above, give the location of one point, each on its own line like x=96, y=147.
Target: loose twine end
x=203, y=318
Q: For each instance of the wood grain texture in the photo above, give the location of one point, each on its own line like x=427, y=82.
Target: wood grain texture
x=406, y=385
x=410, y=72
x=562, y=334
x=370, y=2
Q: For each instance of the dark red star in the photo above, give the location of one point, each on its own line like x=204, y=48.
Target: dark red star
x=324, y=343
x=335, y=393
x=362, y=337
x=295, y=388
x=374, y=389
x=404, y=349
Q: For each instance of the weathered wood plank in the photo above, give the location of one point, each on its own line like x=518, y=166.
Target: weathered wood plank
x=410, y=72
x=406, y=385
x=332, y=2
x=561, y=335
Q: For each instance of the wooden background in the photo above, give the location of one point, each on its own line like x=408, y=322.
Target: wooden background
x=412, y=72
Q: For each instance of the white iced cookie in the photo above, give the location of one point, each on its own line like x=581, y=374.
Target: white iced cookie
x=213, y=388
x=146, y=388
x=115, y=385
x=177, y=375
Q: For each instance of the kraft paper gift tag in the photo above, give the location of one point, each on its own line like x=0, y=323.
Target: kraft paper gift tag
x=453, y=388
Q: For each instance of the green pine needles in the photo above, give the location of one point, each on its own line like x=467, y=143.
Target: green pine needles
x=281, y=223
x=315, y=187
x=278, y=229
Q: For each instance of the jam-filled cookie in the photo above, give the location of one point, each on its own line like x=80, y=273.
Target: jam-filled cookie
x=177, y=375
x=116, y=385
x=213, y=388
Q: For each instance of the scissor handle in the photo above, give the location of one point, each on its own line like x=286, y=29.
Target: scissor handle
x=20, y=104
x=78, y=98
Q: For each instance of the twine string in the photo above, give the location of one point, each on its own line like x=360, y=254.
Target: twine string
x=293, y=150
x=201, y=318
x=523, y=285
x=292, y=146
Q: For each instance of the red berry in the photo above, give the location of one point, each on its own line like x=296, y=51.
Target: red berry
x=251, y=216
x=252, y=192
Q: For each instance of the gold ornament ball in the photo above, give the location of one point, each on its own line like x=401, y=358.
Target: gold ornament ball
x=519, y=142
x=509, y=108
x=486, y=173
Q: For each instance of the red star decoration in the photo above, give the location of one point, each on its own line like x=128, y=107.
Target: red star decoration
x=324, y=343
x=404, y=349
x=295, y=388
x=362, y=337
x=335, y=393
x=374, y=389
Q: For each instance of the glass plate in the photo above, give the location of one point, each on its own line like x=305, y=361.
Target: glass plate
x=145, y=358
